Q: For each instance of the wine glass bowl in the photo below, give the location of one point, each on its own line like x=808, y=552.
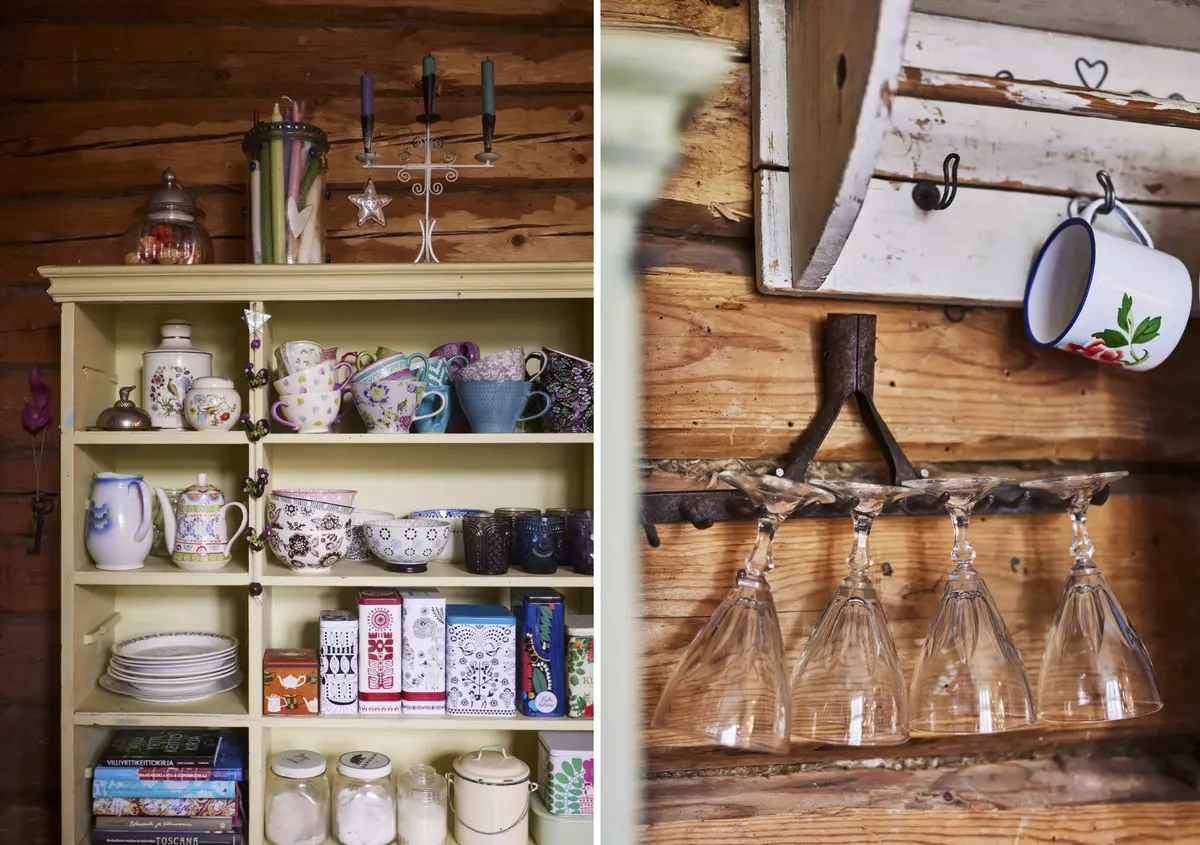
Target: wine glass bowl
x=731, y=686
x=969, y=676
x=847, y=686
x=1095, y=667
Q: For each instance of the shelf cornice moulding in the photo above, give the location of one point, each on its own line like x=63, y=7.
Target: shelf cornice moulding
x=251, y=282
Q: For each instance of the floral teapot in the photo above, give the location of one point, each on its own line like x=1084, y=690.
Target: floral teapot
x=196, y=531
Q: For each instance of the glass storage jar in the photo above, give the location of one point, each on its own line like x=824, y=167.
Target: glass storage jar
x=168, y=231
x=297, y=799
x=421, y=807
x=285, y=193
x=364, y=800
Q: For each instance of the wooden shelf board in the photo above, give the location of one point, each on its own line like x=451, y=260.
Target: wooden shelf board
x=248, y=282
x=188, y=437
x=356, y=573
x=102, y=707
x=160, y=571
x=430, y=723
x=423, y=439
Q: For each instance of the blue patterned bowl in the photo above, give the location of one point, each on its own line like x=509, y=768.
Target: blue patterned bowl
x=407, y=545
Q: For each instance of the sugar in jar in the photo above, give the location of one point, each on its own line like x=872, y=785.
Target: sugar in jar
x=297, y=799
x=364, y=800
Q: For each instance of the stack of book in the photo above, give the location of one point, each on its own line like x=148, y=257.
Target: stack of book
x=169, y=786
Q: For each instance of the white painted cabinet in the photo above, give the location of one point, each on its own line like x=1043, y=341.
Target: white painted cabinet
x=110, y=315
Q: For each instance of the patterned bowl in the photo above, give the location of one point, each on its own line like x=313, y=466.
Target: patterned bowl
x=333, y=497
x=359, y=550
x=286, y=512
x=454, y=550
x=308, y=552
x=408, y=544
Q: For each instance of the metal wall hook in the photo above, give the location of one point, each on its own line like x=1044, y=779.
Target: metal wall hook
x=929, y=197
x=1110, y=194
x=651, y=534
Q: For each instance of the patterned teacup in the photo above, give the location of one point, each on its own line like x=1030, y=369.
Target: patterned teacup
x=389, y=368
x=296, y=355
x=508, y=365
x=495, y=407
x=308, y=413
x=436, y=375
x=359, y=360
x=570, y=381
x=391, y=406
x=319, y=379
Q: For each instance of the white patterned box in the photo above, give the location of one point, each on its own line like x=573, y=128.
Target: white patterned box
x=380, y=638
x=481, y=660
x=339, y=662
x=423, y=656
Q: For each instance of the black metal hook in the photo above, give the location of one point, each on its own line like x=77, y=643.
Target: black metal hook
x=1110, y=194
x=929, y=197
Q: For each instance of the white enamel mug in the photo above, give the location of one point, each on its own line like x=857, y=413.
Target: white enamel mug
x=1108, y=298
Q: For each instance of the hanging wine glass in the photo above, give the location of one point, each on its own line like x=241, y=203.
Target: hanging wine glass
x=1095, y=667
x=969, y=677
x=847, y=687
x=731, y=686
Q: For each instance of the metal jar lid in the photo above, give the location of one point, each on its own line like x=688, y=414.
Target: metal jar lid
x=124, y=416
x=298, y=764
x=491, y=765
x=171, y=199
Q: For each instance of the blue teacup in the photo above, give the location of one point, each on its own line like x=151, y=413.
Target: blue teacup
x=495, y=407
x=436, y=375
x=385, y=368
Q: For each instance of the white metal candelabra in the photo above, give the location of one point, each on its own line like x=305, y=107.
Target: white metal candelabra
x=433, y=175
x=430, y=182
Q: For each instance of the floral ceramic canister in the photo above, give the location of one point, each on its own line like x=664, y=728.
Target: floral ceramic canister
x=212, y=404
x=581, y=666
x=168, y=373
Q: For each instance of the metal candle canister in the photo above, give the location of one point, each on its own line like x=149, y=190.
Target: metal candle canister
x=285, y=193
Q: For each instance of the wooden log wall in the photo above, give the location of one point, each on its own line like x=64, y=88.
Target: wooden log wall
x=96, y=99
x=733, y=375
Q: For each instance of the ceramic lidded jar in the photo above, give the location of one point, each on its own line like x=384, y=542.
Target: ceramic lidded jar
x=212, y=404
x=491, y=798
x=168, y=373
x=168, y=231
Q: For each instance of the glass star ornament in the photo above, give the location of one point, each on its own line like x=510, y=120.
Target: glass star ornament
x=370, y=204
x=255, y=320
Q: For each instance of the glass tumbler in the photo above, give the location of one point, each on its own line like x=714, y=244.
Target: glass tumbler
x=580, y=542
x=285, y=192
x=538, y=543
x=487, y=538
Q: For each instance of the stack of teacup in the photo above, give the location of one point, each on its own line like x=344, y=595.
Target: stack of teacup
x=310, y=391
x=570, y=381
x=495, y=391
x=310, y=529
x=388, y=389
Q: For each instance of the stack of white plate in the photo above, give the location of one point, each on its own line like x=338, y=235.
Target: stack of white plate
x=173, y=667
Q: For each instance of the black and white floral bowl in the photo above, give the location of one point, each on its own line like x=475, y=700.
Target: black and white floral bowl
x=410, y=543
x=308, y=552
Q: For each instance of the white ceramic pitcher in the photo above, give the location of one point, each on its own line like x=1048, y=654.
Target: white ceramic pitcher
x=117, y=529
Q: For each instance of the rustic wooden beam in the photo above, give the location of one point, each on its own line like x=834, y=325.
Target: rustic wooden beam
x=1024, y=95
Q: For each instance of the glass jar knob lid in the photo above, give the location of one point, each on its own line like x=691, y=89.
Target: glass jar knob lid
x=171, y=197
x=298, y=764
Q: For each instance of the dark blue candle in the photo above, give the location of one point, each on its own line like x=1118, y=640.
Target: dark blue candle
x=368, y=95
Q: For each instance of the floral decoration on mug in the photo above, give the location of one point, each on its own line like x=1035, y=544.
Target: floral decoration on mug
x=1110, y=345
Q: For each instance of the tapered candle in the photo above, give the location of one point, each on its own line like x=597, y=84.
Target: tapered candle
x=256, y=212
x=428, y=66
x=266, y=217
x=368, y=95
x=487, y=75
x=278, y=200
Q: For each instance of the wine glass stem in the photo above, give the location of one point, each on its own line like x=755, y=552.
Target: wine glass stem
x=963, y=554
x=859, y=560
x=1081, y=545
x=760, y=559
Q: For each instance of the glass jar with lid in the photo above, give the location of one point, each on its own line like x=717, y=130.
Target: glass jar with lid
x=297, y=799
x=168, y=230
x=421, y=807
x=286, y=169
x=364, y=800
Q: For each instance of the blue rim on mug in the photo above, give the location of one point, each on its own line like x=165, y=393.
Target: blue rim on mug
x=1062, y=227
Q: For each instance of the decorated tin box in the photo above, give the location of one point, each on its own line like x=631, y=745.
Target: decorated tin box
x=290, y=682
x=339, y=662
x=541, y=653
x=423, y=657
x=380, y=634
x=566, y=765
x=581, y=665
x=481, y=660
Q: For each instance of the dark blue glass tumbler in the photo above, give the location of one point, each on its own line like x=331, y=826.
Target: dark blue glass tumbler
x=538, y=543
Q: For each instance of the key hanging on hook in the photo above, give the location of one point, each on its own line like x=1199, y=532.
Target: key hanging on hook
x=929, y=197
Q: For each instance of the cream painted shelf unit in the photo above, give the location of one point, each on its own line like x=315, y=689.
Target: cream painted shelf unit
x=110, y=315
